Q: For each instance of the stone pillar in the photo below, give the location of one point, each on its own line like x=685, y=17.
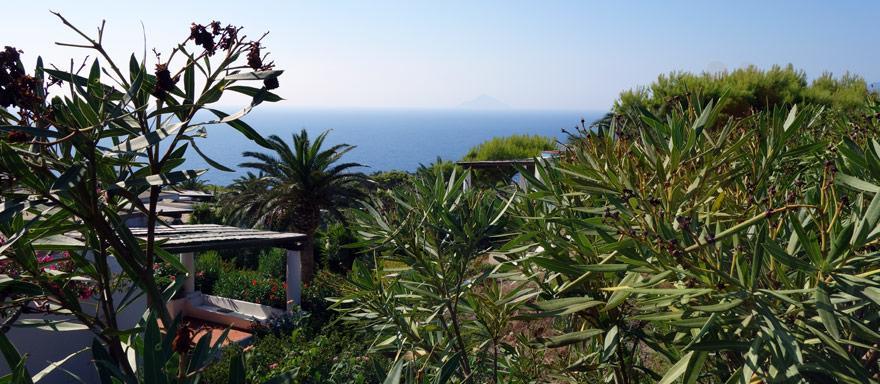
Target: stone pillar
x=294, y=278
x=188, y=261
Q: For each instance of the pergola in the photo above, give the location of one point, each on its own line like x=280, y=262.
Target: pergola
x=528, y=164
x=186, y=240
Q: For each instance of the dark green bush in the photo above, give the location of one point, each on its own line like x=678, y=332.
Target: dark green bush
x=325, y=285
x=281, y=325
x=514, y=147
x=511, y=147
x=209, y=267
x=314, y=298
x=204, y=213
x=443, y=166
x=218, y=372
x=391, y=179
x=332, y=253
x=164, y=274
x=336, y=357
x=243, y=258
x=251, y=286
x=749, y=90
x=272, y=263
x=269, y=353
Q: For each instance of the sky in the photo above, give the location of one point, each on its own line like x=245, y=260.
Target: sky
x=567, y=55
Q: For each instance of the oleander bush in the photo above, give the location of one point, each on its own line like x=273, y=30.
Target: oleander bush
x=80, y=146
x=688, y=246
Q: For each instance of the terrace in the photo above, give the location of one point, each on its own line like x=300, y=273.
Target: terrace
x=188, y=240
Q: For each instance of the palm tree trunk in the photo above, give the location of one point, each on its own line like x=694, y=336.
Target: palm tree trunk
x=307, y=261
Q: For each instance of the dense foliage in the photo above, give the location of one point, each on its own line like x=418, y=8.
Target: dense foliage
x=295, y=184
x=713, y=228
x=512, y=147
x=749, y=90
x=80, y=157
x=684, y=247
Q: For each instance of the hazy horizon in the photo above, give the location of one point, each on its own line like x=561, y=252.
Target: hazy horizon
x=562, y=55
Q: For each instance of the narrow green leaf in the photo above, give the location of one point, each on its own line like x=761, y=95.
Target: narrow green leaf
x=826, y=310
x=569, y=338
x=677, y=369
x=394, y=375
x=258, y=75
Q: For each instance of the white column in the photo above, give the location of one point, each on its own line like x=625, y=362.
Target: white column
x=467, y=180
x=294, y=278
x=188, y=261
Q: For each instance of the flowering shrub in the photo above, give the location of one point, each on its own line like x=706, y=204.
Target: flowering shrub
x=74, y=159
x=253, y=287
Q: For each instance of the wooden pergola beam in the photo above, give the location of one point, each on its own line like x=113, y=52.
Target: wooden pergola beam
x=186, y=240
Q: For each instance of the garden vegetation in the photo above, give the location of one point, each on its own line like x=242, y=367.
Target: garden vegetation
x=715, y=228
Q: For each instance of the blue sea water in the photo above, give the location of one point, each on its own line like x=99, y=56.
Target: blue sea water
x=385, y=139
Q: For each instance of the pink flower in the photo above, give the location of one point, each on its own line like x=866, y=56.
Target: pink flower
x=273, y=365
x=44, y=258
x=86, y=292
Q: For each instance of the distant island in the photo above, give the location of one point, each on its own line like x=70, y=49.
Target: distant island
x=484, y=102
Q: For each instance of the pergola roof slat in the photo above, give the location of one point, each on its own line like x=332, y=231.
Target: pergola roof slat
x=203, y=237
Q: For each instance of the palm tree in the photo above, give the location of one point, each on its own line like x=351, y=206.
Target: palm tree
x=240, y=205
x=295, y=186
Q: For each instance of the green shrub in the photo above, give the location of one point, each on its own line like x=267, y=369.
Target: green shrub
x=251, y=286
x=445, y=167
x=314, y=298
x=209, y=267
x=242, y=258
x=269, y=352
x=330, y=245
x=515, y=147
x=218, y=372
x=272, y=263
x=281, y=325
x=336, y=357
x=165, y=274
x=391, y=179
x=204, y=213
x=512, y=147
x=749, y=90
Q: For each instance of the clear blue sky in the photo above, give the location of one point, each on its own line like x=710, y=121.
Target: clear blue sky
x=540, y=55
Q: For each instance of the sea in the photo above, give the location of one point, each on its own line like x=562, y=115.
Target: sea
x=385, y=139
